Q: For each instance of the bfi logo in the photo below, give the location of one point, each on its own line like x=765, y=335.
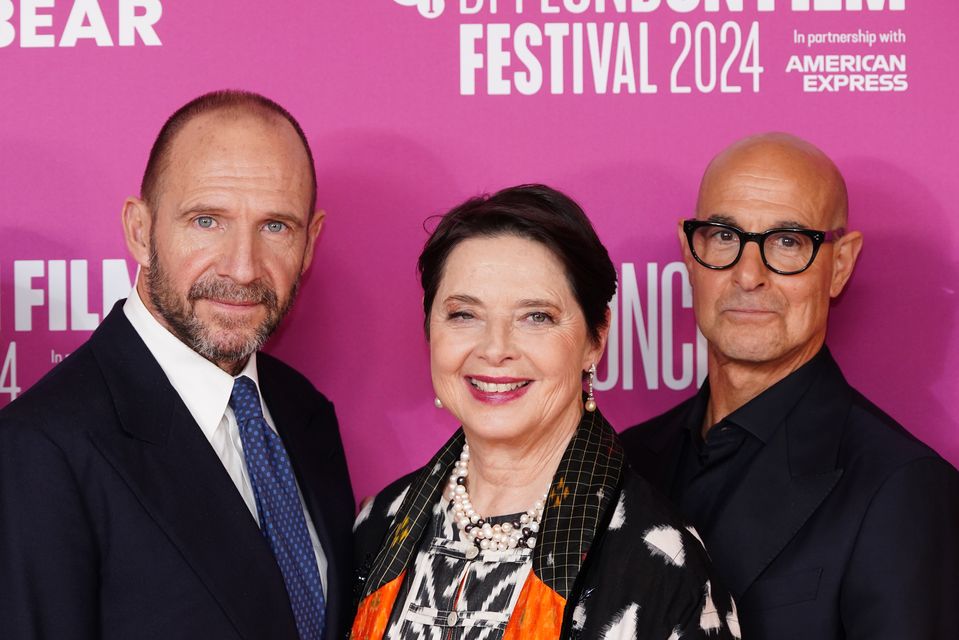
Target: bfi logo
x=31, y=24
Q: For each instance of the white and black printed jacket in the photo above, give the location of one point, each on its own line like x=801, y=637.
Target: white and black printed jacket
x=613, y=561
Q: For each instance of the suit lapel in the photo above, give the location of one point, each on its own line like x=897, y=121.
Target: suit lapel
x=667, y=445
x=655, y=449
x=169, y=465
x=785, y=484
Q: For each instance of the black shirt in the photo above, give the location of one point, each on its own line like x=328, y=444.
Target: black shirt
x=711, y=469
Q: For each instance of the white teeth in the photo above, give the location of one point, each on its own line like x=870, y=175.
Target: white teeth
x=492, y=387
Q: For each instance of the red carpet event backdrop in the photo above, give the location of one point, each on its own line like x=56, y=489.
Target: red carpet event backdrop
x=414, y=105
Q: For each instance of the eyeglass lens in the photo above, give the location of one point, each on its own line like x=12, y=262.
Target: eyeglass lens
x=784, y=251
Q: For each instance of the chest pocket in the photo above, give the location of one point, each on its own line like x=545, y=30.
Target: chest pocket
x=779, y=591
x=461, y=593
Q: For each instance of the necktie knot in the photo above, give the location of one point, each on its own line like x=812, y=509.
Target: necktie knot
x=245, y=400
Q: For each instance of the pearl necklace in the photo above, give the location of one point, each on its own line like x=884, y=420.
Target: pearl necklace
x=474, y=528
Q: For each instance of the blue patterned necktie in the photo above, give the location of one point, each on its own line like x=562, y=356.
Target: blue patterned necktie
x=281, y=513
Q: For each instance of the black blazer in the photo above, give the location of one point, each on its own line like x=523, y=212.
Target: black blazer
x=118, y=520
x=844, y=526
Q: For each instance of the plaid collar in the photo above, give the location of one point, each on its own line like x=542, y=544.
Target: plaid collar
x=581, y=493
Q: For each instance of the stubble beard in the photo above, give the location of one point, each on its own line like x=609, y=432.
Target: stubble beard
x=225, y=344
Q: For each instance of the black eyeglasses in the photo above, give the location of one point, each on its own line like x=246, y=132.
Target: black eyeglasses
x=717, y=245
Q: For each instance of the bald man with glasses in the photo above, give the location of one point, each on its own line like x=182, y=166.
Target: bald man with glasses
x=824, y=517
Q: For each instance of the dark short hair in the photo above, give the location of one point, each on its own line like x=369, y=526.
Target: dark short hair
x=223, y=100
x=534, y=212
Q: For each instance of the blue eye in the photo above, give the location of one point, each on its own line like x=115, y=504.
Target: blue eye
x=205, y=222
x=459, y=315
x=275, y=227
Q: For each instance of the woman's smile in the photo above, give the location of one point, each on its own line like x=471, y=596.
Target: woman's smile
x=498, y=389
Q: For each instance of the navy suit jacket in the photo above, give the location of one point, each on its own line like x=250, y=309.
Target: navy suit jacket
x=118, y=520
x=843, y=526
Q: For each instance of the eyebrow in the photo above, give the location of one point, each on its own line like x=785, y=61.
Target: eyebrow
x=779, y=224
x=526, y=303
x=462, y=297
x=537, y=302
x=290, y=219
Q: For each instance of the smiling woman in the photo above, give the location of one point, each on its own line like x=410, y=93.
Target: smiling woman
x=527, y=523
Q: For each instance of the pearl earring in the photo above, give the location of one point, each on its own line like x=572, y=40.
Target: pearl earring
x=590, y=404
x=437, y=402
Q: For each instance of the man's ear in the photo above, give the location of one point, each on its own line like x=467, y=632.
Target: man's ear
x=312, y=233
x=137, y=224
x=844, y=255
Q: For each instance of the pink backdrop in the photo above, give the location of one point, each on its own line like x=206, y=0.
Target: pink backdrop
x=383, y=93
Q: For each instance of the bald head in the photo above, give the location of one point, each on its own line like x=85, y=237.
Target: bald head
x=232, y=105
x=768, y=163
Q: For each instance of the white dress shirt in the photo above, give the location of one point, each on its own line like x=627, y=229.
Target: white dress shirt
x=205, y=390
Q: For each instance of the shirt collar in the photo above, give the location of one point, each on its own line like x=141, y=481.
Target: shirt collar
x=204, y=387
x=762, y=415
x=697, y=412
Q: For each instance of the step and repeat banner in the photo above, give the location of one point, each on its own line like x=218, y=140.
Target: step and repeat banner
x=411, y=106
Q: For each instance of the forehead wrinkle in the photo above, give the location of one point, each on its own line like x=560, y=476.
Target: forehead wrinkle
x=505, y=266
x=731, y=220
x=743, y=201
x=245, y=177
x=749, y=181
x=253, y=158
x=745, y=194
